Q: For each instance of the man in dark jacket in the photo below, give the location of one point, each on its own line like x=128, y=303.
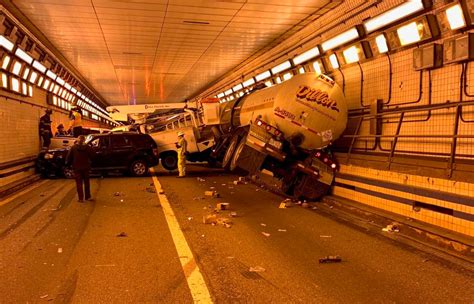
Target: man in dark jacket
x=45, y=129
x=80, y=158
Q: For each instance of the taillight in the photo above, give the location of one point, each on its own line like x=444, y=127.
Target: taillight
x=325, y=160
x=259, y=123
x=268, y=128
x=333, y=166
x=318, y=154
x=155, y=152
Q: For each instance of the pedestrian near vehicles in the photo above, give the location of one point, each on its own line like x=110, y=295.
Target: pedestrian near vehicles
x=45, y=129
x=61, y=131
x=182, y=146
x=76, y=121
x=79, y=157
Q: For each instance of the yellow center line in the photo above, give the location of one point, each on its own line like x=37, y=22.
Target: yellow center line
x=194, y=278
x=14, y=196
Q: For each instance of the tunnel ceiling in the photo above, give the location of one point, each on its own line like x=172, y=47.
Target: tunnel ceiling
x=150, y=51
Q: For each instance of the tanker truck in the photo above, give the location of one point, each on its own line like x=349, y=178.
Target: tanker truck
x=285, y=129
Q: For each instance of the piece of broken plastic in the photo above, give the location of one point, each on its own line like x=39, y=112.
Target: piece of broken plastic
x=257, y=269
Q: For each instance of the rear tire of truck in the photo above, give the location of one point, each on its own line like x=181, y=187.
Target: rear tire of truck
x=139, y=168
x=234, y=164
x=169, y=161
x=229, y=153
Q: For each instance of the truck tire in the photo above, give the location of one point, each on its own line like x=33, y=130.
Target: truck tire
x=169, y=161
x=230, y=152
x=139, y=168
x=234, y=167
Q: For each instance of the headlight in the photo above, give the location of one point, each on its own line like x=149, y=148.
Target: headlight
x=48, y=156
x=275, y=143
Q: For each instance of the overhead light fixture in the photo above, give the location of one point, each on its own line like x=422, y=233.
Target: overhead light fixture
x=301, y=70
x=409, y=33
x=237, y=87
x=455, y=16
x=268, y=84
x=37, y=65
x=281, y=67
x=23, y=55
x=68, y=86
x=334, y=62
x=420, y=30
x=60, y=81
x=25, y=73
x=7, y=44
x=309, y=54
x=15, y=84
x=16, y=68
x=340, y=39
x=287, y=76
x=395, y=14
x=381, y=42
x=5, y=62
x=263, y=75
x=73, y=90
x=33, y=77
x=357, y=52
x=248, y=82
x=228, y=92
x=318, y=67
x=51, y=75
x=4, y=79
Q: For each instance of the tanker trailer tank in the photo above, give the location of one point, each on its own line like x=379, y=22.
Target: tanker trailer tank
x=286, y=129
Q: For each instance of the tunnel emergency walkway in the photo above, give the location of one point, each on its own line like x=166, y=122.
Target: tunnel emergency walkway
x=125, y=247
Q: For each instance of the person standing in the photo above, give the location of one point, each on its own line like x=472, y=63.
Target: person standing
x=182, y=146
x=80, y=157
x=45, y=129
x=60, y=131
x=76, y=121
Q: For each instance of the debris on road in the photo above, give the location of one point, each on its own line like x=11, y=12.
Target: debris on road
x=117, y=194
x=105, y=265
x=257, y=269
x=226, y=222
x=330, y=259
x=391, y=228
x=241, y=179
x=325, y=236
x=151, y=189
x=222, y=206
x=211, y=193
x=60, y=250
x=190, y=218
x=198, y=198
x=282, y=205
x=281, y=230
x=209, y=219
x=44, y=297
x=224, y=185
x=122, y=234
x=233, y=214
x=161, y=191
x=236, y=182
x=263, y=225
x=305, y=205
x=199, y=179
x=314, y=208
x=266, y=234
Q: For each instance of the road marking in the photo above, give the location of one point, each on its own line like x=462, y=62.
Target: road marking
x=196, y=283
x=11, y=198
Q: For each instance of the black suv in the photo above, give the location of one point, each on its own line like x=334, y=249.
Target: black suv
x=129, y=152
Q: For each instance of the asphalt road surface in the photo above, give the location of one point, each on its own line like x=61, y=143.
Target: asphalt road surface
x=120, y=249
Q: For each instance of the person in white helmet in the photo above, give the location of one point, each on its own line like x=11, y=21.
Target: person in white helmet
x=182, y=146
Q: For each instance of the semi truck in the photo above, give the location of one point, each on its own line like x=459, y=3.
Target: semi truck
x=285, y=129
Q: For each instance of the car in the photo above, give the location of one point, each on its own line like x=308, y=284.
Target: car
x=129, y=152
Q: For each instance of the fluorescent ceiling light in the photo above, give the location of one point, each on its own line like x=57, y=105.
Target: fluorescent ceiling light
x=340, y=39
x=6, y=61
x=16, y=68
x=60, y=81
x=15, y=84
x=248, y=82
x=26, y=72
x=228, y=92
x=381, y=42
x=317, y=67
x=237, y=87
x=409, y=33
x=301, y=70
x=263, y=75
x=39, y=66
x=281, y=67
x=51, y=75
x=73, y=90
x=287, y=76
x=33, y=76
x=268, y=83
x=306, y=56
x=220, y=95
x=68, y=86
x=334, y=61
x=23, y=55
x=351, y=55
x=408, y=8
x=6, y=43
x=455, y=17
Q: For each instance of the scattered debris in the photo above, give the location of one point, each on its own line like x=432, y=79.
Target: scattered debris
x=241, y=179
x=209, y=219
x=236, y=182
x=330, y=207
x=257, y=269
x=257, y=189
x=117, y=194
x=105, y=265
x=330, y=259
x=190, y=218
x=211, y=193
x=121, y=200
x=230, y=257
x=151, y=189
x=391, y=228
x=122, y=234
x=325, y=236
x=224, y=185
x=43, y=297
x=281, y=230
x=282, y=205
x=305, y=205
x=224, y=222
x=198, y=198
x=266, y=234
x=263, y=225
x=161, y=191
x=299, y=203
x=60, y=250
x=202, y=235
x=233, y=214
x=199, y=179
x=222, y=206
x=314, y=208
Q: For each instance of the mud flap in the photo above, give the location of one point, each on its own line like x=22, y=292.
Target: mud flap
x=250, y=160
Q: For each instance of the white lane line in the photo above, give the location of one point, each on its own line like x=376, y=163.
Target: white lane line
x=14, y=196
x=196, y=283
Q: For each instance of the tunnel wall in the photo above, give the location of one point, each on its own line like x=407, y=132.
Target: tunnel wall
x=20, y=143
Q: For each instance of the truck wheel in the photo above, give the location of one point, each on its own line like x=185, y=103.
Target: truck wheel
x=230, y=152
x=234, y=167
x=169, y=161
x=139, y=168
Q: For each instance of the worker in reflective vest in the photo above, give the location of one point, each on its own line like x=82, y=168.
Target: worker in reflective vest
x=182, y=146
x=45, y=131
x=76, y=121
